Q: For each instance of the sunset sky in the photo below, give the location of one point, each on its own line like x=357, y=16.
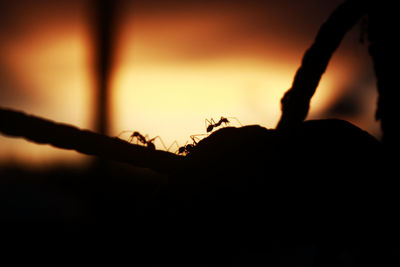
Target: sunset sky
x=175, y=64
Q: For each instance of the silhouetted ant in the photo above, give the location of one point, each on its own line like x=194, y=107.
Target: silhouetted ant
x=187, y=148
x=211, y=124
x=143, y=139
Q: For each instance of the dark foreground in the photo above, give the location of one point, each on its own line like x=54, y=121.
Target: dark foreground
x=323, y=195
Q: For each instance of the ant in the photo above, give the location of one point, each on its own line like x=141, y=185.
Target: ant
x=211, y=124
x=143, y=139
x=187, y=148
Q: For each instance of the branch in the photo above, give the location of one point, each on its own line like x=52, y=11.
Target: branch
x=295, y=102
x=42, y=131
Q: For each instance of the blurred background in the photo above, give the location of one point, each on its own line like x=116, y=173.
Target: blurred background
x=162, y=67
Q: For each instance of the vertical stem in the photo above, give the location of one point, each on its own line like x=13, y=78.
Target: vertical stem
x=104, y=30
x=104, y=23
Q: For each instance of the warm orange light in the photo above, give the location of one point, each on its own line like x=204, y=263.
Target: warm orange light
x=166, y=83
x=50, y=72
x=173, y=101
x=172, y=70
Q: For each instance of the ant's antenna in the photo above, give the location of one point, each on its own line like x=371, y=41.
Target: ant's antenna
x=161, y=141
x=177, y=145
x=163, y=144
x=209, y=124
x=124, y=132
x=235, y=120
x=195, y=138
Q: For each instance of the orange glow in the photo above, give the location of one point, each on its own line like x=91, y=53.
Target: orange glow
x=161, y=90
x=172, y=70
x=174, y=101
x=50, y=77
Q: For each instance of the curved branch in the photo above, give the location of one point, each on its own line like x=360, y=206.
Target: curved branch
x=43, y=131
x=295, y=102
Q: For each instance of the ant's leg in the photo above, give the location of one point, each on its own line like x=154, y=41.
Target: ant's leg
x=177, y=152
x=123, y=133
x=198, y=139
x=162, y=142
x=137, y=140
x=206, y=123
x=130, y=139
x=209, y=122
x=195, y=138
x=176, y=143
x=225, y=122
x=236, y=120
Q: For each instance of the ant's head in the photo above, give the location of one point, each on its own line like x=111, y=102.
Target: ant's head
x=182, y=149
x=224, y=120
x=151, y=146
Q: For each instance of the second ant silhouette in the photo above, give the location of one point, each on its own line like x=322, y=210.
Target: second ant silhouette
x=143, y=139
x=149, y=143
x=211, y=124
x=187, y=148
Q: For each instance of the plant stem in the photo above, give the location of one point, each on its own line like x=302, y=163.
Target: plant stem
x=43, y=131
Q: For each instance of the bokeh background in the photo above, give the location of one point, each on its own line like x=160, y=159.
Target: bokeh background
x=173, y=64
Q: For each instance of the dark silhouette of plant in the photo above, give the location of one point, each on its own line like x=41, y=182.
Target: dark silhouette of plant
x=381, y=20
x=35, y=129
x=295, y=103
x=104, y=22
x=302, y=182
